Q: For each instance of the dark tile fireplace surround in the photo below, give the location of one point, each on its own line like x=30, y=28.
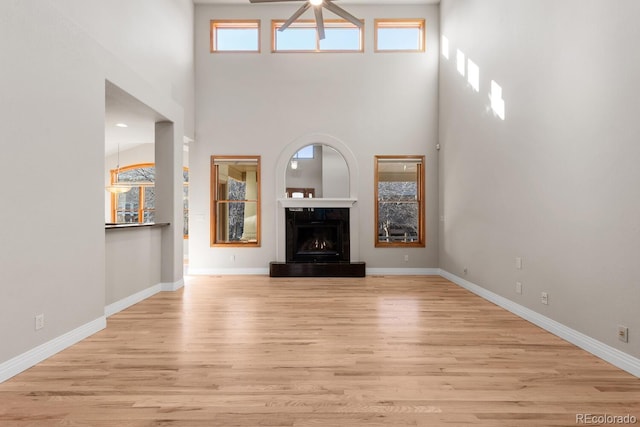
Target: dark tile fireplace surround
x=317, y=245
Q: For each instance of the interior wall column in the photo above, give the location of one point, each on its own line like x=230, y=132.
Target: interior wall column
x=168, y=159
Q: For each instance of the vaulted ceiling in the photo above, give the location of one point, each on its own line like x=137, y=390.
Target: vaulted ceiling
x=123, y=108
x=363, y=2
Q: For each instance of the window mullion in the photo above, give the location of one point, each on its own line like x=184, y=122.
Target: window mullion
x=141, y=204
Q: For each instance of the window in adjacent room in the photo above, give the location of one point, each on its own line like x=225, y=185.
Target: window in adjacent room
x=399, y=35
x=305, y=153
x=301, y=36
x=138, y=204
x=235, y=200
x=185, y=202
x=301, y=193
x=399, y=192
x=235, y=36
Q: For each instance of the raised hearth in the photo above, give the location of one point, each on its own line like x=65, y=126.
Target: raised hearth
x=311, y=269
x=317, y=245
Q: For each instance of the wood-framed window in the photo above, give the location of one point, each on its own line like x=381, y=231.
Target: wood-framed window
x=399, y=35
x=235, y=200
x=228, y=35
x=301, y=36
x=138, y=204
x=399, y=198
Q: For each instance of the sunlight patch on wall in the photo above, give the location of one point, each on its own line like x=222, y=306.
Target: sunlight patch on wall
x=460, y=59
x=444, y=45
x=497, y=103
x=469, y=69
x=473, y=75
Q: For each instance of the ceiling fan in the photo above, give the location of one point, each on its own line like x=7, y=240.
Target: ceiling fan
x=317, y=10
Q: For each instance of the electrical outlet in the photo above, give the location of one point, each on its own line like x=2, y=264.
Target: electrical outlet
x=233, y=258
x=518, y=263
x=406, y=258
x=518, y=288
x=544, y=298
x=465, y=271
x=39, y=321
x=623, y=333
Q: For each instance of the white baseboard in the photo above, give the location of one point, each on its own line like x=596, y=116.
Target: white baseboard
x=127, y=302
x=403, y=271
x=13, y=367
x=170, y=287
x=228, y=271
x=605, y=352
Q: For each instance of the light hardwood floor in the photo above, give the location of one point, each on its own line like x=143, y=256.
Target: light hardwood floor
x=259, y=351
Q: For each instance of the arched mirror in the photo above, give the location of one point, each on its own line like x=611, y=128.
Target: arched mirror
x=317, y=171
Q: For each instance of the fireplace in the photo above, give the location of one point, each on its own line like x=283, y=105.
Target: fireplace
x=317, y=243
x=317, y=235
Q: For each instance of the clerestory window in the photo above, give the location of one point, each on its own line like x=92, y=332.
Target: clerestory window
x=235, y=36
x=399, y=35
x=301, y=36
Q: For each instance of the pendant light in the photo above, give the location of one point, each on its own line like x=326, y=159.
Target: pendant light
x=117, y=187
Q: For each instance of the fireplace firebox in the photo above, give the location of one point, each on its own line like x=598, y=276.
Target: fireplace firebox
x=317, y=235
x=317, y=245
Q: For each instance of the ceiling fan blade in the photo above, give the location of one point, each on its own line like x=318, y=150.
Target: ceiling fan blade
x=268, y=1
x=295, y=16
x=319, y=21
x=342, y=13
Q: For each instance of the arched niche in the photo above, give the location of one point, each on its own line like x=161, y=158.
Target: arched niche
x=320, y=164
x=317, y=171
x=348, y=196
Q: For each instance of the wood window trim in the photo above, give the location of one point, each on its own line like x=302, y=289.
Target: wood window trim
x=421, y=202
x=309, y=23
x=419, y=23
x=114, y=197
x=214, y=24
x=213, y=202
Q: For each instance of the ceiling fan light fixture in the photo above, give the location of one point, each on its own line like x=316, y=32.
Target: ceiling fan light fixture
x=318, y=5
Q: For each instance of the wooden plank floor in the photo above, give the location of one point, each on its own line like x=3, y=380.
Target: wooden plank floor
x=260, y=351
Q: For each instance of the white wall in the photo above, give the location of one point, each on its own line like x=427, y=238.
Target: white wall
x=154, y=38
x=257, y=104
x=52, y=252
x=52, y=256
x=556, y=182
x=132, y=260
x=335, y=176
